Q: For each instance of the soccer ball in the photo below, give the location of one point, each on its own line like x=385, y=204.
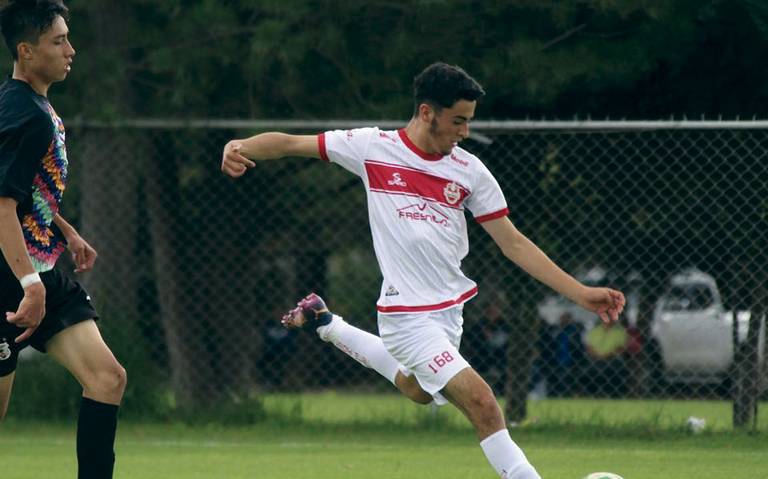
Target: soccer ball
x=603, y=475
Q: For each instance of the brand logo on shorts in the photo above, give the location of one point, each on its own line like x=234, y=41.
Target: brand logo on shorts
x=391, y=291
x=5, y=350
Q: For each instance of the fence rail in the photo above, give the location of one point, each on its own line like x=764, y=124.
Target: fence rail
x=195, y=269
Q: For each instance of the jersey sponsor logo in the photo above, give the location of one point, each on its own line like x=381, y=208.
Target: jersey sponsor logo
x=5, y=350
x=459, y=160
x=397, y=180
x=423, y=212
x=385, y=135
x=401, y=180
x=392, y=291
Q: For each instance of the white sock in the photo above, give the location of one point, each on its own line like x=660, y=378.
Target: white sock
x=362, y=346
x=506, y=457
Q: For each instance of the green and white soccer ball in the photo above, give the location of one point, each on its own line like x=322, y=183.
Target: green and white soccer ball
x=603, y=475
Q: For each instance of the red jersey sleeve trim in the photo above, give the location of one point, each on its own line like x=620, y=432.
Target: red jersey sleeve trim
x=321, y=147
x=492, y=216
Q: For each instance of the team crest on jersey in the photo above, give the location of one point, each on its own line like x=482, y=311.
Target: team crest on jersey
x=5, y=350
x=452, y=193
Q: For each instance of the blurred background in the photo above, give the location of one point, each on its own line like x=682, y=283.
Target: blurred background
x=626, y=135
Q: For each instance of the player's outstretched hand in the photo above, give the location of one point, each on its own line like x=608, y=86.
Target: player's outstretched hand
x=233, y=162
x=83, y=254
x=605, y=302
x=30, y=312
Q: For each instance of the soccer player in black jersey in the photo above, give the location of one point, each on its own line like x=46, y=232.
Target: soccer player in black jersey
x=43, y=307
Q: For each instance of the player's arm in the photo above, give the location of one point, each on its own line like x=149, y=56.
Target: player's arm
x=605, y=302
x=32, y=307
x=83, y=254
x=239, y=155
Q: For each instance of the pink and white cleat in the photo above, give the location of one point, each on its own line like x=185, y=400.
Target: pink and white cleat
x=310, y=310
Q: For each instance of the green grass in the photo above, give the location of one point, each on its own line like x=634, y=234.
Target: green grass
x=365, y=436
x=581, y=414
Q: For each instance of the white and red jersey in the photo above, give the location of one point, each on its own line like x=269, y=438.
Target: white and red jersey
x=416, y=204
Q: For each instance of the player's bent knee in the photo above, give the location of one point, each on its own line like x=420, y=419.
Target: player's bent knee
x=118, y=379
x=485, y=408
x=108, y=384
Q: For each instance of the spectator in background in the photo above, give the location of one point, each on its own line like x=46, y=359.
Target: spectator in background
x=606, y=372
x=487, y=342
x=567, y=355
x=279, y=344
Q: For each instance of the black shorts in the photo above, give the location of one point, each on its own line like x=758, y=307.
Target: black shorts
x=66, y=304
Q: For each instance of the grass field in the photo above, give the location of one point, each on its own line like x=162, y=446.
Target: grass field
x=366, y=436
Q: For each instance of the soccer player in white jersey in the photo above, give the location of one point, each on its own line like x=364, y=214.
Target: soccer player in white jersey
x=419, y=183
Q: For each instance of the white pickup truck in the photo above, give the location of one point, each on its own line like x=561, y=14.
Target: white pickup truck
x=694, y=332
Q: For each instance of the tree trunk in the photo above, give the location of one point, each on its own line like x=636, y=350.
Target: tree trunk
x=747, y=366
x=520, y=354
x=109, y=177
x=644, y=368
x=108, y=182
x=190, y=363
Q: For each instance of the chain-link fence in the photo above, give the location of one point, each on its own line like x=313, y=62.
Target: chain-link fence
x=196, y=269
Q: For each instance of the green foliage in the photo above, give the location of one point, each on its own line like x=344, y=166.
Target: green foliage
x=335, y=58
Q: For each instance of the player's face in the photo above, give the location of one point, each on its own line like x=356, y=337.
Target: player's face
x=51, y=58
x=449, y=126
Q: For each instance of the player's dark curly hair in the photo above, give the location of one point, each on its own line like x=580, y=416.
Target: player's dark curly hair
x=26, y=20
x=441, y=85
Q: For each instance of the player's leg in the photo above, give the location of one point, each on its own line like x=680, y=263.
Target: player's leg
x=427, y=345
x=362, y=346
x=9, y=349
x=474, y=397
x=6, y=385
x=410, y=387
x=81, y=349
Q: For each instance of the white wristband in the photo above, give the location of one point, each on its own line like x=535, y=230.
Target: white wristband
x=30, y=279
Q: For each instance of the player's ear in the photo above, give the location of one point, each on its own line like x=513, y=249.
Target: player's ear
x=24, y=51
x=426, y=113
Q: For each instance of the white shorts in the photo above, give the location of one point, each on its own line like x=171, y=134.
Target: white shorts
x=427, y=345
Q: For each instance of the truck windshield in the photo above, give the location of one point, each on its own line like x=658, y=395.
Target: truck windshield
x=688, y=297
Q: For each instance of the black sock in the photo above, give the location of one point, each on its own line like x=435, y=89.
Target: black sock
x=96, y=428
